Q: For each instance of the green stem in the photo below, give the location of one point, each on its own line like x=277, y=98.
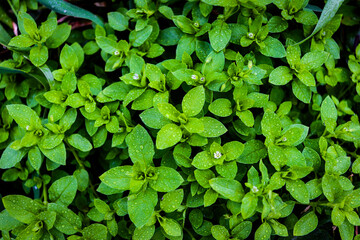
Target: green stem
x=76, y=157
x=78, y=160
x=192, y=237
x=45, y=194
x=12, y=8
x=351, y=86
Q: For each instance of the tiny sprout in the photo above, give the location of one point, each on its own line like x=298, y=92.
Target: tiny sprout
x=254, y=189
x=136, y=76
x=250, y=64
x=116, y=53
x=217, y=155
x=196, y=24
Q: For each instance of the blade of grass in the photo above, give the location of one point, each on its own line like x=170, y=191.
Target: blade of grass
x=4, y=36
x=69, y=9
x=39, y=78
x=329, y=11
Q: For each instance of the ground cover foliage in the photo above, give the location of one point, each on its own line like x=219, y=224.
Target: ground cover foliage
x=166, y=119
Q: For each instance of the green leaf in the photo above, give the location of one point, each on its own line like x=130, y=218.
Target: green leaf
x=330, y=186
x=118, y=21
x=313, y=60
x=141, y=146
x=169, y=36
x=280, y=76
x=24, y=116
x=68, y=58
x=220, y=232
x=203, y=160
x=254, y=150
x=144, y=233
x=107, y=44
x=279, y=228
x=63, y=190
x=306, y=224
x=228, y=188
x=172, y=200
x=329, y=114
x=327, y=14
x=246, y=117
x=22, y=208
x=298, y=190
x=170, y=226
x=221, y=3
x=184, y=24
x=168, y=111
x=214, y=62
x=167, y=179
x=117, y=90
x=56, y=154
x=210, y=197
x=118, y=177
x=194, y=125
x=8, y=223
x=168, y=136
x=271, y=125
x=193, y=101
x=277, y=24
x=263, y=232
x=212, y=127
x=66, y=220
x=22, y=41
x=273, y=48
x=48, y=27
x=221, y=107
x=60, y=35
x=137, y=38
x=10, y=157
x=141, y=206
x=301, y=91
x=277, y=156
x=203, y=177
x=233, y=150
x=248, y=205
x=294, y=135
x=153, y=118
x=79, y=142
x=95, y=231
x=82, y=178
x=69, y=9
x=306, y=78
x=187, y=43
x=242, y=230
x=101, y=206
x=29, y=24
x=219, y=35
x=346, y=230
